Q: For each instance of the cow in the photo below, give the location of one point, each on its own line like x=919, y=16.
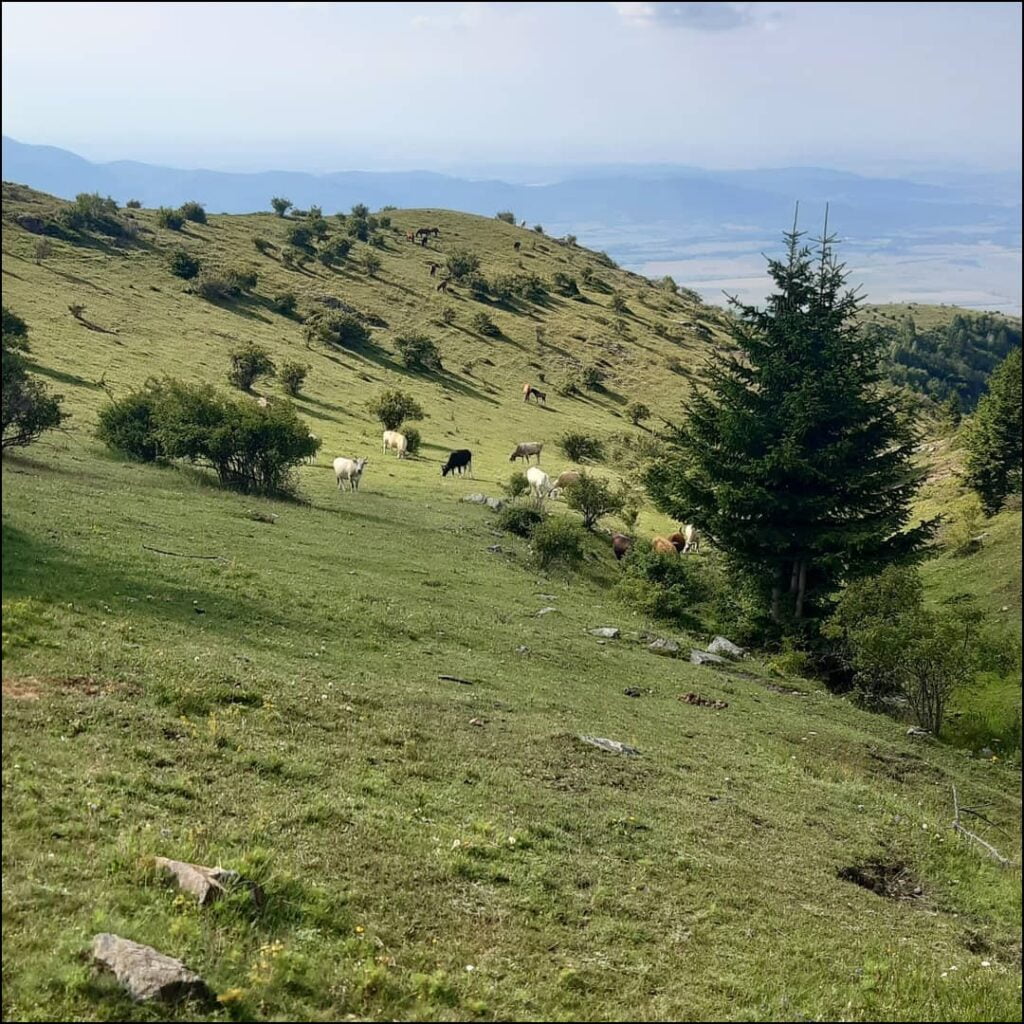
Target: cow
x=349, y=471
x=563, y=480
x=691, y=538
x=540, y=482
x=541, y=397
x=620, y=546
x=517, y=246
x=525, y=449
x=434, y=267
x=410, y=236
x=663, y=546
x=527, y=388
x=460, y=460
x=397, y=442
x=443, y=286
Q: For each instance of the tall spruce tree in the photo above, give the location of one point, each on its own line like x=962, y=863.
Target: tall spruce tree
x=793, y=457
x=994, y=436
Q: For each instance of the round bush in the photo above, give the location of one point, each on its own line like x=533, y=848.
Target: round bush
x=521, y=519
x=128, y=425
x=557, y=540
x=185, y=265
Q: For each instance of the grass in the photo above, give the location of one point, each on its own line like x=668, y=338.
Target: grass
x=429, y=850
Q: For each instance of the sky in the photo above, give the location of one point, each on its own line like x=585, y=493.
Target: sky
x=449, y=86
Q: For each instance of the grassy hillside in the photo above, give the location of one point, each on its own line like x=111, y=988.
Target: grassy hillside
x=182, y=679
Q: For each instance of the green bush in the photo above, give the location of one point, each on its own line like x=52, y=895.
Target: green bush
x=248, y=364
x=507, y=216
x=28, y=409
x=299, y=236
x=285, y=303
x=292, y=377
x=334, y=252
x=193, y=211
x=171, y=219
x=593, y=499
x=393, y=408
x=521, y=518
x=580, y=447
x=478, y=286
x=262, y=245
x=418, y=352
x=222, y=285
x=358, y=228
x=280, y=205
x=461, y=263
x=557, y=541
x=517, y=485
x=661, y=586
x=564, y=284
x=90, y=212
x=133, y=204
x=371, y=262
x=483, y=324
x=637, y=413
x=128, y=425
x=413, y=440
x=184, y=265
x=336, y=328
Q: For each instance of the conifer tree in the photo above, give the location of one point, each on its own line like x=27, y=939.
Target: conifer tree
x=793, y=458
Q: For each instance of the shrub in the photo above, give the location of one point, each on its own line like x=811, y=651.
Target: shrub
x=413, y=440
x=962, y=533
x=483, y=324
x=478, y=286
x=618, y=304
x=292, y=377
x=448, y=315
x=294, y=258
x=262, y=245
x=517, y=485
x=539, y=229
x=384, y=222
x=371, y=263
x=128, y=425
x=521, y=518
x=358, y=228
x=193, y=211
x=418, y=352
x=334, y=327
x=461, y=263
x=394, y=407
x=637, y=413
x=570, y=384
x=171, y=219
x=360, y=211
x=28, y=409
x=43, y=249
x=580, y=447
x=593, y=499
x=556, y=540
x=507, y=216
x=248, y=363
x=563, y=284
x=280, y=205
x=89, y=212
x=591, y=378
x=285, y=303
x=221, y=285
x=318, y=227
x=183, y=264
x=334, y=252
x=378, y=241
x=299, y=236
x=661, y=586
x=133, y=204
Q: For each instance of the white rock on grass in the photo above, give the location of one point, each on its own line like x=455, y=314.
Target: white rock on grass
x=666, y=648
x=145, y=973
x=606, y=632
x=726, y=648
x=206, y=884
x=705, y=658
x=612, y=746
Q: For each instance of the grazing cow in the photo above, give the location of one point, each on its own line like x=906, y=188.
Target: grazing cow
x=410, y=236
x=517, y=246
x=460, y=460
x=620, y=546
x=678, y=541
x=541, y=397
x=527, y=388
x=349, y=471
x=570, y=476
x=525, y=449
x=540, y=482
x=691, y=538
x=663, y=546
x=393, y=440
x=443, y=286
x=434, y=267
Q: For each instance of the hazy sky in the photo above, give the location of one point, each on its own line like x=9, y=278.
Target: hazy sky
x=322, y=86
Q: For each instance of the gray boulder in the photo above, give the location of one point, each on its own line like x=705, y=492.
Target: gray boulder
x=725, y=648
x=547, y=611
x=705, y=658
x=606, y=632
x=612, y=746
x=145, y=973
x=666, y=648
x=206, y=884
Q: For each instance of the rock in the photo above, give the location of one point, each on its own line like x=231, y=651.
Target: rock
x=916, y=733
x=522, y=649
x=705, y=658
x=667, y=648
x=496, y=503
x=986, y=752
x=494, y=549
x=632, y=691
x=475, y=499
x=725, y=648
x=206, y=884
x=546, y=611
x=612, y=746
x=607, y=632
x=704, y=702
x=145, y=973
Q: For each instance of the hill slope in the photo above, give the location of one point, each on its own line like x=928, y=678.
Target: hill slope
x=182, y=679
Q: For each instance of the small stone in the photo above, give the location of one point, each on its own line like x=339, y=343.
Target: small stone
x=607, y=632
x=522, y=649
x=496, y=503
x=916, y=733
x=705, y=658
x=477, y=721
x=726, y=648
x=476, y=499
x=667, y=648
x=632, y=691
x=494, y=549
x=145, y=973
x=206, y=884
x=612, y=746
x=546, y=611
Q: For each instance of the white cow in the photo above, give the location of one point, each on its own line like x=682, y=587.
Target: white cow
x=539, y=481
x=394, y=441
x=692, y=537
x=349, y=471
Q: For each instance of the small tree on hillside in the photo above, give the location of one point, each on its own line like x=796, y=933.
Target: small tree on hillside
x=334, y=252
x=593, y=499
x=993, y=437
x=334, y=327
x=507, y=216
x=461, y=263
x=248, y=364
x=292, y=377
x=794, y=459
x=28, y=408
x=418, y=352
x=193, y=211
x=280, y=205
x=393, y=408
x=371, y=262
x=170, y=219
x=184, y=265
x=637, y=413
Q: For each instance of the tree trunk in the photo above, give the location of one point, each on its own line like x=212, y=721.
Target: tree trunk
x=801, y=590
x=793, y=577
x=776, y=600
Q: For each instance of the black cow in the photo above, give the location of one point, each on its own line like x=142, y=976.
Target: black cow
x=460, y=460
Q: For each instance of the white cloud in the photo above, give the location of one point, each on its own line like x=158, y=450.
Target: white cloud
x=704, y=17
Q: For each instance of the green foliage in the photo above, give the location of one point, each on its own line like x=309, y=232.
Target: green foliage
x=299, y=235
x=418, y=352
x=965, y=524
x=539, y=228
x=91, y=212
x=564, y=284
x=249, y=363
x=794, y=457
x=461, y=263
x=593, y=499
x=335, y=251
x=667, y=284
x=521, y=518
x=193, y=211
x=580, y=447
x=662, y=586
x=128, y=425
x=133, y=204
x=895, y=645
x=28, y=409
x=591, y=378
x=413, y=440
x=280, y=206
x=360, y=211
x=183, y=264
x=448, y=315
x=517, y=485
x=557, y=541
x=483, y=324
x=224, y=285
x=993, y=437
x=170, y=219
x=508, y=287
x=285, y=303
x=262, y=245
x=378, y=240
x=507, y=216
x=478, y=286
x=318, y=227
x=618, y=304
x=337, y=328
x=292, y=376
x=393, y=408
x=371, y=262
x=637, y=413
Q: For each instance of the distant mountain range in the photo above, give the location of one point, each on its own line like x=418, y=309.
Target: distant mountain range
x=665, y=217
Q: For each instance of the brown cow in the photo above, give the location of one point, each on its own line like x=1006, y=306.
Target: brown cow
x=443, y=286
x=663, y=546
x=620, y=546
